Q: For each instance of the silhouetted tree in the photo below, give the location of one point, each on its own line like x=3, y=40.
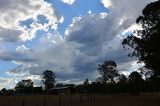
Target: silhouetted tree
x=99, y=80
x=25, y=86
x=108, y=71
x=86, y=82
x=136, y=82
x=3, y=91
x=48, y=79
x=135, y=77
x=122, y=85
x=122, y=79
x=146, y=72
x=146, y=44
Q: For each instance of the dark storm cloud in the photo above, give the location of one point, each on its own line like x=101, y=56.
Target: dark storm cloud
x=9, y=35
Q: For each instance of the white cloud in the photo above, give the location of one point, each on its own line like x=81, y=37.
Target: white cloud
x=12, y=12
x=132, y=28
x=22, y=48
x=7, y=83
x=69, y=2
x=106, y=3
x=12, y=79
x=74, y=20
x=89, y=12
x=61, y=20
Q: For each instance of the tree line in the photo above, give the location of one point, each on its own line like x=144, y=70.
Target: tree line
x=110, y=82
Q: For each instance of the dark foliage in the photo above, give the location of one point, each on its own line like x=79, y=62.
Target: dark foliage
x=133, y=85
x=146, y=44
x=108, y=71
x=136, y=81
x=48, y=79
x=135, y=77
x=3, y=91
x=122, y=79
x=24, y=86
x=86, y=82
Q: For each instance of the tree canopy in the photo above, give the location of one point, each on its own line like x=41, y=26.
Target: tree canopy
x=146, y=43
x=48, y=79
x=135, y=77
x=108, y=71
x=24, y=86
x=86, y=82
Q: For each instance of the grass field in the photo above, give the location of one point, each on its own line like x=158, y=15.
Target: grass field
x=81, y=100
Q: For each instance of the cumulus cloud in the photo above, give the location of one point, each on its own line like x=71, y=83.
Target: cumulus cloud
x=10, y=81
x=6, y=83
x=69, y=2
x=106, y=3
x=12, y=12
x=99, y=38
x=9, y=35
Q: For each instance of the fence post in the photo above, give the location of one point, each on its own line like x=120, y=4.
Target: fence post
x=91, y=98
x=88, y=98
x=23, y=101
x=71, y=99
x=60, y=101
x=94, y=98
x=80, y=98
x=44, y=101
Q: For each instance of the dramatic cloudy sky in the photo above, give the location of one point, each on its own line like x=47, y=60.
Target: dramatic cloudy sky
x=70, y=37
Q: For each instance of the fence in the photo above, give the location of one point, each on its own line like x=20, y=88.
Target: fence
x=49, y=100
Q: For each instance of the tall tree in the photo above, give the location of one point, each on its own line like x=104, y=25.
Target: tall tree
x=86, y=82
x=25, y=86
x=48, y=79
x=108, y=71
x=146, y=44
x=135, y=77
x=122, y=79
x=136, y=82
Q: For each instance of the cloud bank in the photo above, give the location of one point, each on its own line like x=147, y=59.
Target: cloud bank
x=88, y=40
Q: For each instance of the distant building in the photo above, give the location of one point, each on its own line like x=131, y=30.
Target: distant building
x=37, y=90
x=60, y=90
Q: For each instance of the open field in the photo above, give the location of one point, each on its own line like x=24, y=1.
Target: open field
x=80, y=100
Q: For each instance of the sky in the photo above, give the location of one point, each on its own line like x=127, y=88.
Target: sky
x=69, y=37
